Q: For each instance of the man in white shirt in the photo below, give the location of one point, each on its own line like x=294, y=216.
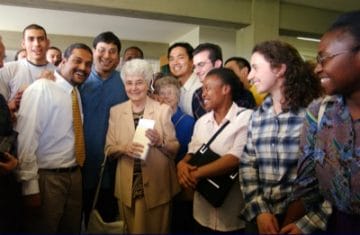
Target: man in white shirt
x=181, y=66
x=49, y=172
x=17, y=75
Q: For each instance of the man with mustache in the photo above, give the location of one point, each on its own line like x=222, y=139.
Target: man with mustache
x=49, y=159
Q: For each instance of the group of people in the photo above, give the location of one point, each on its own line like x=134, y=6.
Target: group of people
x=291, y=132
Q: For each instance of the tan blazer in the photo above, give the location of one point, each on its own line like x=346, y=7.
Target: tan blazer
x=158, y=170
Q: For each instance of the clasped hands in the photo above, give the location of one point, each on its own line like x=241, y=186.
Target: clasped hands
x=268, y=224
x=188, y=175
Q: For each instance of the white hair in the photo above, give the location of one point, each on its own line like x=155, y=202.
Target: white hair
x=137, y=67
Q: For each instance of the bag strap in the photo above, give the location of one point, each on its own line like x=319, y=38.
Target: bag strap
x=99, y=183
x=220, y=130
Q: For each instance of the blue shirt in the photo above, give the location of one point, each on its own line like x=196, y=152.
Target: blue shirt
x=184, y=125
x=98, y=96
x=268, y=164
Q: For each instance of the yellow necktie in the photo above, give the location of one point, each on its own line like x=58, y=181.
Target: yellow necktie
x=78, y=130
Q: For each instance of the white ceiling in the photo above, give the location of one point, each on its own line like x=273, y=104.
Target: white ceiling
x=15, y=18
x=86, y=24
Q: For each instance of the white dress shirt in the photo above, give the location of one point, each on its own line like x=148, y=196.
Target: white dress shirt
x=187, y=92
x=231, y=140
x=45, y=126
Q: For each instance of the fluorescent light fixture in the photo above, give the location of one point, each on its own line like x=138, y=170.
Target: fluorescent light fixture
x=308, y=39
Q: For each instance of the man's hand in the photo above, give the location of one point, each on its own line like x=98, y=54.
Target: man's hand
x=14, y=104
x=7, y=163
x=291, y=229
x=47, y=74
x=32, y=201
x=267, y=223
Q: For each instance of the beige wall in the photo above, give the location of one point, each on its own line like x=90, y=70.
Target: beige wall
x=236, y=25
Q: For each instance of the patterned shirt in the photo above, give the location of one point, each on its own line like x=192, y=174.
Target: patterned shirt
x=329, y=163
x=268, y=163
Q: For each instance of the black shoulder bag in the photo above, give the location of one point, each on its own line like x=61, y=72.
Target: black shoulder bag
x=213, y=189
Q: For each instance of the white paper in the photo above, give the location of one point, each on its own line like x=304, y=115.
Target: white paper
x=139, y=136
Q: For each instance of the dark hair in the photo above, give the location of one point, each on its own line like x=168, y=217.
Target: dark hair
x=189, y=49
x=34, y=26
x=137, y=49
x=107, y=37
x=214, y=50
x=348, y=22
x=17, y=54
x=228, y=77
x=54, y=48
x=240, y=61
x=73, y=46
x=300, y=86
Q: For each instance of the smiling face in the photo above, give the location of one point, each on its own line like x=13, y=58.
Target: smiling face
x=202, y=64
x=136, y=88
x=214, y=92
x=106, y=58
x=53, y=56
x=77, y=67
x=169, y=93
x=180, y=63
x=262, y=75
x=36, y=45
x=339, y=69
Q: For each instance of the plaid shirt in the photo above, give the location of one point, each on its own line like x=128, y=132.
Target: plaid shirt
x=268, y=164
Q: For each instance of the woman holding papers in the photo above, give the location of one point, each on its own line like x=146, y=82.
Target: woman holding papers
x=142, y=137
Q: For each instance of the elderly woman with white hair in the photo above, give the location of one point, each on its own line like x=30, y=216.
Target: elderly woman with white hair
x=145, y=187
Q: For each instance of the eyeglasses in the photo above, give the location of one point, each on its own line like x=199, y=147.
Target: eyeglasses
x=323, y=59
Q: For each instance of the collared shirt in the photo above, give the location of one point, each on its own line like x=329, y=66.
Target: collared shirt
x=268, y=163
x=198, y=107
x=17, y=75
x=184, y=125
x=98, y=96
x=329, y=162
x=230, y=141
x=45, y=126
x=187, y=92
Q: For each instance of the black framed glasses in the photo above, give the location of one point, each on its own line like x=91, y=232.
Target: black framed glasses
x=325, y=58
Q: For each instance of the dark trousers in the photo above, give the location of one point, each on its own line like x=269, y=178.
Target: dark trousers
x=182, y=220
x=106, y=204
x=340, y=222
x=11, y=210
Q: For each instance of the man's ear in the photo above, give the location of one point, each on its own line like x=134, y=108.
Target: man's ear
x=218, y=64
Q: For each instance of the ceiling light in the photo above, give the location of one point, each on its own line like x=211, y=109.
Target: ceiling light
x=309, y=39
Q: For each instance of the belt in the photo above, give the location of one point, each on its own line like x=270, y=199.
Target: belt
x=62, y=170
